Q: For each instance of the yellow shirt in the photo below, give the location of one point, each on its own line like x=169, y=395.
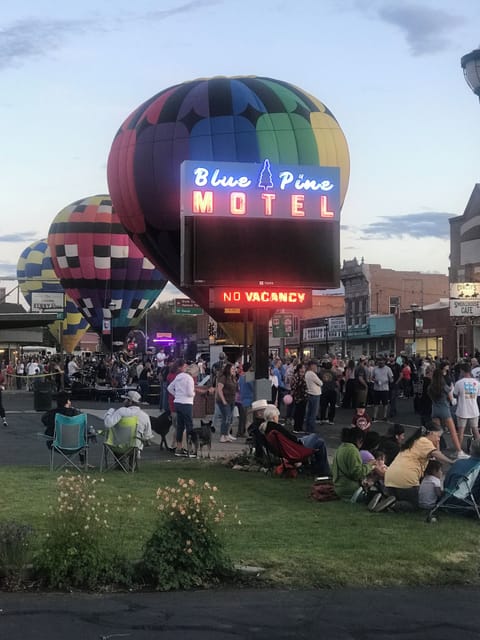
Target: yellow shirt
x=408, y=467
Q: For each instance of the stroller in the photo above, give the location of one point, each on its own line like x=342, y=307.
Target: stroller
x=459, y=497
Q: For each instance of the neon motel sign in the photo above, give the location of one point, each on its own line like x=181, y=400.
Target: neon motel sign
x=248, y=190
x=258, y=297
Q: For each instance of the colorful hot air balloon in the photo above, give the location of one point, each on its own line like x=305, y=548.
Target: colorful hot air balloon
x=240, y=119
x=100, y=268
x=35, y=274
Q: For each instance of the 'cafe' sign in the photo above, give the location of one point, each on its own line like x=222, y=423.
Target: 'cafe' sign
x=248, y=190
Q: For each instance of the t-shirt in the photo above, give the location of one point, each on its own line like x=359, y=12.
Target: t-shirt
x=476, y=373
x=382, y=377
x=466, y=390
x=363, y=421
x=409, y=465
x=427, y=494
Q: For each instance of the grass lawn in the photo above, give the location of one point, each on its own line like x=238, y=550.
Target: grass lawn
x=300, y=543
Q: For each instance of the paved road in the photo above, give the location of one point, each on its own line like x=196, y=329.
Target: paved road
x=347, y=614
x=22, y=442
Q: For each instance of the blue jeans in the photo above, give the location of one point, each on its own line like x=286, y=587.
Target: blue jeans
x=226, y=411
x=320, y=458
x=184, y=419
x=313, y=403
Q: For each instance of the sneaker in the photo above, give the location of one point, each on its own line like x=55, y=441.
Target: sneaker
x=461, y=455
x=181, y=453
x=374, y=501
x=384, y=504
x=5, y=423
x=224, y=439
x=231, y=438
x=192, y=454
x=331, y=422
x=359, y=492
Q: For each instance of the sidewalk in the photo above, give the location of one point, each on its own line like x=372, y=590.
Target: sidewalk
x=22, y=442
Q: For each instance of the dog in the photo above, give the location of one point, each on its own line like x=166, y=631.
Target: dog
x=201, y=437
x=161, y=424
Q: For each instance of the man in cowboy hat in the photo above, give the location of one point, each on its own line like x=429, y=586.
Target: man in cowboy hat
x=131, y=407
x=255, y=438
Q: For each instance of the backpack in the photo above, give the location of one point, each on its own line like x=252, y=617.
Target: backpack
x=323, y=492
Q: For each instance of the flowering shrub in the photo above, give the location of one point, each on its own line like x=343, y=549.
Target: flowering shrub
x=186, y=549
x=76, y=550
x=15, y=549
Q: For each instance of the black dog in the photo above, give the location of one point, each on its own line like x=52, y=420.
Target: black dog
x=201, y=437
x=161, y=424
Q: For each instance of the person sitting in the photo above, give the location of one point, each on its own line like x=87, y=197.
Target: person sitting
x=131, y=408
x=255, y=437
x=64, y=408
x=431, y=485
x=360, y=418
x=391, y=442
x=348, y=470
x=403, y=476
x=313, y=441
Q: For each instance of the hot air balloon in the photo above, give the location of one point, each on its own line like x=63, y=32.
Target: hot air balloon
x=102, y=270
x=35, y=274
x=239, y=119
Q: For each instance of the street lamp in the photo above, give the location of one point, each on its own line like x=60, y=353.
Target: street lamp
x=471, y=70
x=414, y=308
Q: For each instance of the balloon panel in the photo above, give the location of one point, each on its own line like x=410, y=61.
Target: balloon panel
x=244, y=119
x=100, y=267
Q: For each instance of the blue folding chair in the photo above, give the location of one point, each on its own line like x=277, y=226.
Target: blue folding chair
x=70, y=442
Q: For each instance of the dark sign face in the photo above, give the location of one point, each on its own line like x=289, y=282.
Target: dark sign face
x=260, y=225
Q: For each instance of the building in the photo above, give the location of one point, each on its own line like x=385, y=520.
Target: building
x=375, y=300
x=465, y=269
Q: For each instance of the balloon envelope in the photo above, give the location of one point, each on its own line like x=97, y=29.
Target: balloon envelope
x=35, y=273
x=241, y=119
x=107, y=276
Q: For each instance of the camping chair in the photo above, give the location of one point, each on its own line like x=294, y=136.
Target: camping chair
x=121, y=442
x=292, y=454
x=69, y=441
x=460, y=497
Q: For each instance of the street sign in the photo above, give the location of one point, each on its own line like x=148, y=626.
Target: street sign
x=282, y=325
x=187, y=307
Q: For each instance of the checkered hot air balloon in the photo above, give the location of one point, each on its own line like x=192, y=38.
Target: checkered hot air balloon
x=107, y=276
x=35, y=274
x=239, y=119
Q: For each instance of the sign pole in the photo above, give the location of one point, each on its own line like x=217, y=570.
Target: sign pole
x=260, y=352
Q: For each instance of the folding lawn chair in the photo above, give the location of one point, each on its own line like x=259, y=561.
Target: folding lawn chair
x=460, y=497
x=293, y=454
x=70, y=441
x=121, y=444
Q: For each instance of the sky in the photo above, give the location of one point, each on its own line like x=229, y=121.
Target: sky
x=389, y=70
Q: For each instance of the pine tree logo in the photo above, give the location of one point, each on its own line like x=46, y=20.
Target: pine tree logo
x=265, y=180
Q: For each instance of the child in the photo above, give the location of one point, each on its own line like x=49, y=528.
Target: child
x=361, y=419
x=431, y=486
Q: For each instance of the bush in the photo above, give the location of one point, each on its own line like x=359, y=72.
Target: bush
x=76, y=551
x=15, y=551
x=186, y=549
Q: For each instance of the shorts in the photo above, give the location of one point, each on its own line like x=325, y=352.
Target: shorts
x=381, y=397
x=470, y=423
x=441, y=412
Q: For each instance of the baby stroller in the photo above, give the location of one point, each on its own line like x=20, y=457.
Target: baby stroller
x=460, y=496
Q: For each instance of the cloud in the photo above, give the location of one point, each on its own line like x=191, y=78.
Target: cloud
x=26, y=236
x=34, y=37
x=427, y=30
x=7, y=270
x=416, y=225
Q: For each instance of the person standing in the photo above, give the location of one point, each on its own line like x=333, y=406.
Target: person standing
x=226, y=390
x=441, y=394
x=2, y=410
x=328, y=399
x=382, y=378
x=300, y=396
x=182, y=389
x=361, y=384
x=467, y=390
x=314, y=391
